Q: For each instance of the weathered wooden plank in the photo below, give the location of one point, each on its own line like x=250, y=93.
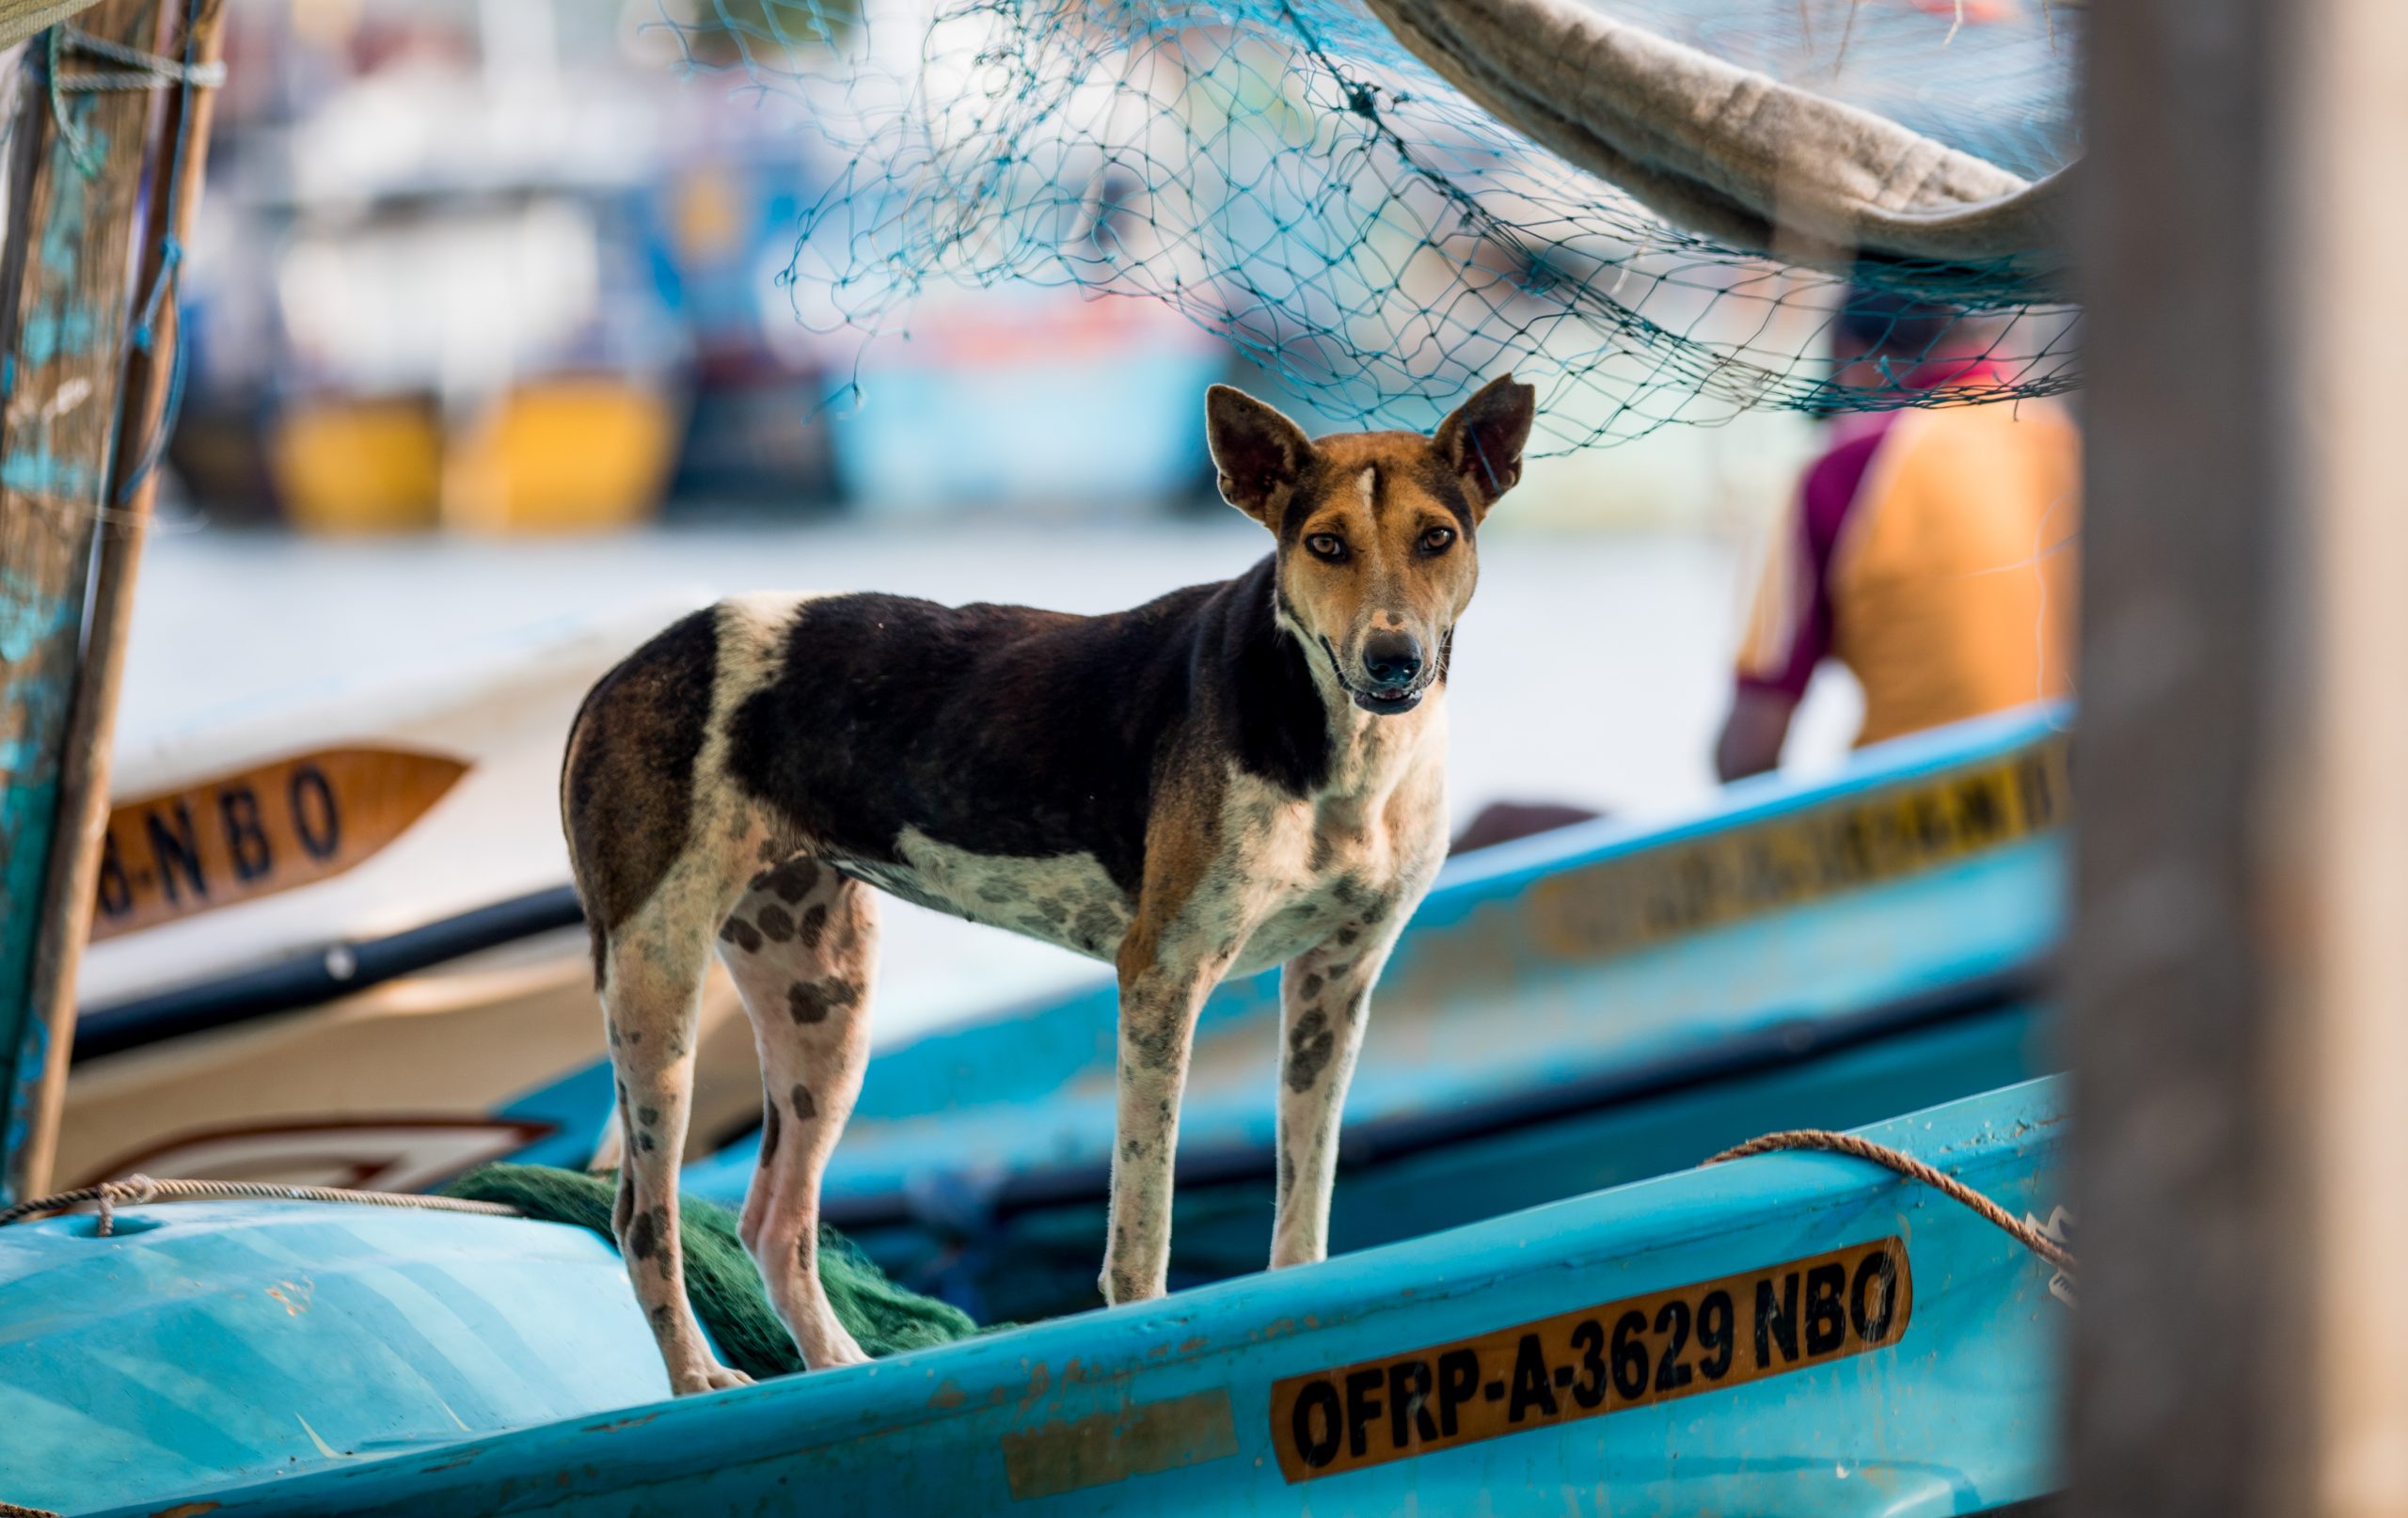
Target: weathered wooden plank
x=63, y=363
x=2341, y=886
x=2182, y=1348
x=2239, y=976
x=83, y=776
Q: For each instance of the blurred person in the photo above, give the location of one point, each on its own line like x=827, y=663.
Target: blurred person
x=1928, y=550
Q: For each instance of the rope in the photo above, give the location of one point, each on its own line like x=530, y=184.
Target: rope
x=143, y=71
x=171, y=259
x=1913, y=1169
x=136, y=1191
x=9, y=1510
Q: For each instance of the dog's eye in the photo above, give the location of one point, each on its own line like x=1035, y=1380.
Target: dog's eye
x=1327, y=545
x=1437, y=539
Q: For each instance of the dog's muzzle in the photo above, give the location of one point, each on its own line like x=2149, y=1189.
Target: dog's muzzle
x=1383, y=699
x=1390, y=705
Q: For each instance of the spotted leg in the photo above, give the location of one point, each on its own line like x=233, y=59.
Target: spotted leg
x=651, y=993
x=802, y=946
x=1324, y=1001
x=1158, y=1009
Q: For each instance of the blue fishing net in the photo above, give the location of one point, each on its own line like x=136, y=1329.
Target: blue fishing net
x=1287, y=176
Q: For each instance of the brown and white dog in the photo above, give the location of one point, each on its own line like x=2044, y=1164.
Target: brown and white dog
x=1231, y=776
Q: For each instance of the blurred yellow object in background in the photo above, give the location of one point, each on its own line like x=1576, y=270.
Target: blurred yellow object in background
x=565, y=454
x=573, y=454
x=352, y=465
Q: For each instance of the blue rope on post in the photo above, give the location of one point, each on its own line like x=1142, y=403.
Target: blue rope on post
x=187, y=75
x=141, y=71
x=78, y=151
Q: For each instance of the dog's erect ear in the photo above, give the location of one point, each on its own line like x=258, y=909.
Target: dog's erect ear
x=1483, y=441
x=1258, y=452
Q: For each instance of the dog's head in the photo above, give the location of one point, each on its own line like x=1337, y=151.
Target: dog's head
x=1376, y=555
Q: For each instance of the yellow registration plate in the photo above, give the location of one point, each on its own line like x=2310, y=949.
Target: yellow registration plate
x=1665, y=891
x=1583, y=1365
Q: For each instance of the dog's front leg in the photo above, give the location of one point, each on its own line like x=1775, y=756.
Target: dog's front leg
x=1324, y=1001
x=1158, y=1007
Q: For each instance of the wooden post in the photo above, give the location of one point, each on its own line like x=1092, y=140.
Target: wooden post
x=63, y=359
x=2239, y=974
x=2345, y=965
x=134, y=481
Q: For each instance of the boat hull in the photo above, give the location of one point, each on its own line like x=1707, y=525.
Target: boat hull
x=204, y=1344
x=1929, y=1394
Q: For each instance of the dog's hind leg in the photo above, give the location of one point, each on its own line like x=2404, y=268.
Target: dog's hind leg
x=651, y=993
x=802, y=946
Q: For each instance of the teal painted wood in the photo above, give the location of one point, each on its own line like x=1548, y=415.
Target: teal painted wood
x=67, y=322
x=33, y=719
x=1167, y=1407
x=975, y=1163
x=213, y=1342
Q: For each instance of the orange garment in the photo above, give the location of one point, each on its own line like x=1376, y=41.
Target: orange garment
x=1947, y=587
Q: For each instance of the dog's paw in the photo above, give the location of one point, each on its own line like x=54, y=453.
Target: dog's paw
x=837, y=1351
x=708, y=1379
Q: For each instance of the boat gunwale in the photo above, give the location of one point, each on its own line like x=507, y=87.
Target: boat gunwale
x=793, y=1417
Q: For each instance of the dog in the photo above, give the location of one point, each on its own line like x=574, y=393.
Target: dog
x=1234, y=776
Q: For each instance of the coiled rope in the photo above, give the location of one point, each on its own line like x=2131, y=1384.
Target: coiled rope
x=136, y=1191
x=1913, y=1169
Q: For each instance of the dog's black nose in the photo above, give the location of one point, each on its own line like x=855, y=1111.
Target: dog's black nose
x=1392, y=659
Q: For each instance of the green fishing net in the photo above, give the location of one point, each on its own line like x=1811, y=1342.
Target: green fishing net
x=720, y=1278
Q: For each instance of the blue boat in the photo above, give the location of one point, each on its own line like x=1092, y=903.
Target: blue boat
x=1800, y=1334
x=1566, y=1013
x=209, y=1343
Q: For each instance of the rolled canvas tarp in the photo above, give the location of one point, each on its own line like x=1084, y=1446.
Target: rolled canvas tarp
x=1726, y=151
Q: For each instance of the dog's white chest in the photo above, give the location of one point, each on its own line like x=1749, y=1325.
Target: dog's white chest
x=1316, y=873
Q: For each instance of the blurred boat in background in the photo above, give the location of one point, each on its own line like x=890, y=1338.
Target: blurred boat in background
x=335, y=944
x=973, y=409
x=519, y=277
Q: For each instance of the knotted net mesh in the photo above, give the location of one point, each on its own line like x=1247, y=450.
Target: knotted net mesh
x=1288, y=176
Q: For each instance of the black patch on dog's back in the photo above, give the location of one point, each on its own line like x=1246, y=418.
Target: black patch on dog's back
x=628, y=795
x=1004, y=730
